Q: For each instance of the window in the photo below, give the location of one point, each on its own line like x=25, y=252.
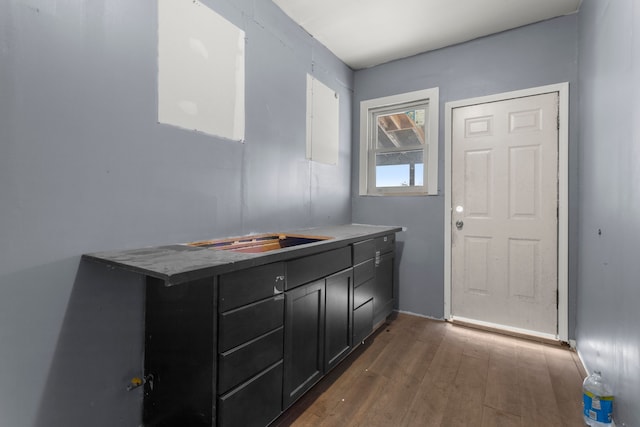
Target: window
x=399, y=144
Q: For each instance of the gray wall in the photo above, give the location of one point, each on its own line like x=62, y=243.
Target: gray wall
x=84, y=166
x=609, y=285
x=536, y=55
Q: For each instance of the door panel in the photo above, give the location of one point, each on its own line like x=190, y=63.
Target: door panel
x=478, y=173
x=524, y=176
x=524, y=268
x=477, y=265
x=504, y=213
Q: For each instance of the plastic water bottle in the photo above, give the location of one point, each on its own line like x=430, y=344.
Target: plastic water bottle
x=597, y=399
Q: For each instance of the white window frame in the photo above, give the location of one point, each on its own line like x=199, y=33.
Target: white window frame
x=430, y=154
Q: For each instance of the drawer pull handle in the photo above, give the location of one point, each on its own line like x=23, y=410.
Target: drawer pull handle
x=278, y=288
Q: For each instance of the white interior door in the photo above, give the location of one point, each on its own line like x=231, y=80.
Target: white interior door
x=504, y=197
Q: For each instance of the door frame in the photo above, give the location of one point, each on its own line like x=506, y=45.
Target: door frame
x=563, y=198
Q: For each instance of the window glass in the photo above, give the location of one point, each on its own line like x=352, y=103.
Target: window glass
x=400, y=169
x=399, y=144
x=405, y=129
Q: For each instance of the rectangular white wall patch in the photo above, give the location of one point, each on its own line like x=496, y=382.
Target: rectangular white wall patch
x=322, y=122
x=200, y=70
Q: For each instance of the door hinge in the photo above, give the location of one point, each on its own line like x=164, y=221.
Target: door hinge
x=557, y=299
x=558, y=109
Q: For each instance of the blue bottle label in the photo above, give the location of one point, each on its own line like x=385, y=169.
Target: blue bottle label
x=597, y=408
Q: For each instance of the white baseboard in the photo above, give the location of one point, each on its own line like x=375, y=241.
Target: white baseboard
x=584, y=365
x=419, y=315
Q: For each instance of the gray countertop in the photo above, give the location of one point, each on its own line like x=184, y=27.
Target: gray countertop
x=180, y=263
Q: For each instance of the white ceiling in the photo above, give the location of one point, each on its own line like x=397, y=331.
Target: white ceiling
x=364, y=33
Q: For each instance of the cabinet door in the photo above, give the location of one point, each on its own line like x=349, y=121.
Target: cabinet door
x=383, y=292
x=337, y=318
x=303, y=339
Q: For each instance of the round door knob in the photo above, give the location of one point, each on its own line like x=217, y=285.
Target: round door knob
x=459, y=224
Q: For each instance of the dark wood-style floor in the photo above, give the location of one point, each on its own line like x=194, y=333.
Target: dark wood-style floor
x=421, y=372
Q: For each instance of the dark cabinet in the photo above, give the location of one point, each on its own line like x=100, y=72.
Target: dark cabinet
x=317, y=331
x=251, y=284
x=373, y=284
x=303, y=339
x=337, y=318
x=362, y=321
x=242, y=324
x=239, y=364
x=313, y=267
x=238, y=348
x=383, y=289
x=179, y=356
x=250, y=346
x=253, y=404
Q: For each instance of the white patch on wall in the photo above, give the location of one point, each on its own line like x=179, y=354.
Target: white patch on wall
x=322, y=122
x=200, y=70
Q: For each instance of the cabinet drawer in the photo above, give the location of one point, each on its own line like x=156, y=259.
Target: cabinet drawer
x=362, y=322
x=246, y=323
x=249, y=285
x=255, y=403
x=243, y=362
x=363, y=272
x=313, y=267
x=364, y=250
x=364, y=293
x=386, y=244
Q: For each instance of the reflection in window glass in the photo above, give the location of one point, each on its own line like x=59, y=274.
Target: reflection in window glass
x=403, y=129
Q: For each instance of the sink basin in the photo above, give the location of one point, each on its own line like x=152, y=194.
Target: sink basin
x=258, y=243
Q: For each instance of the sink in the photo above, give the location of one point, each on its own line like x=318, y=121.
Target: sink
x=258, y=243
